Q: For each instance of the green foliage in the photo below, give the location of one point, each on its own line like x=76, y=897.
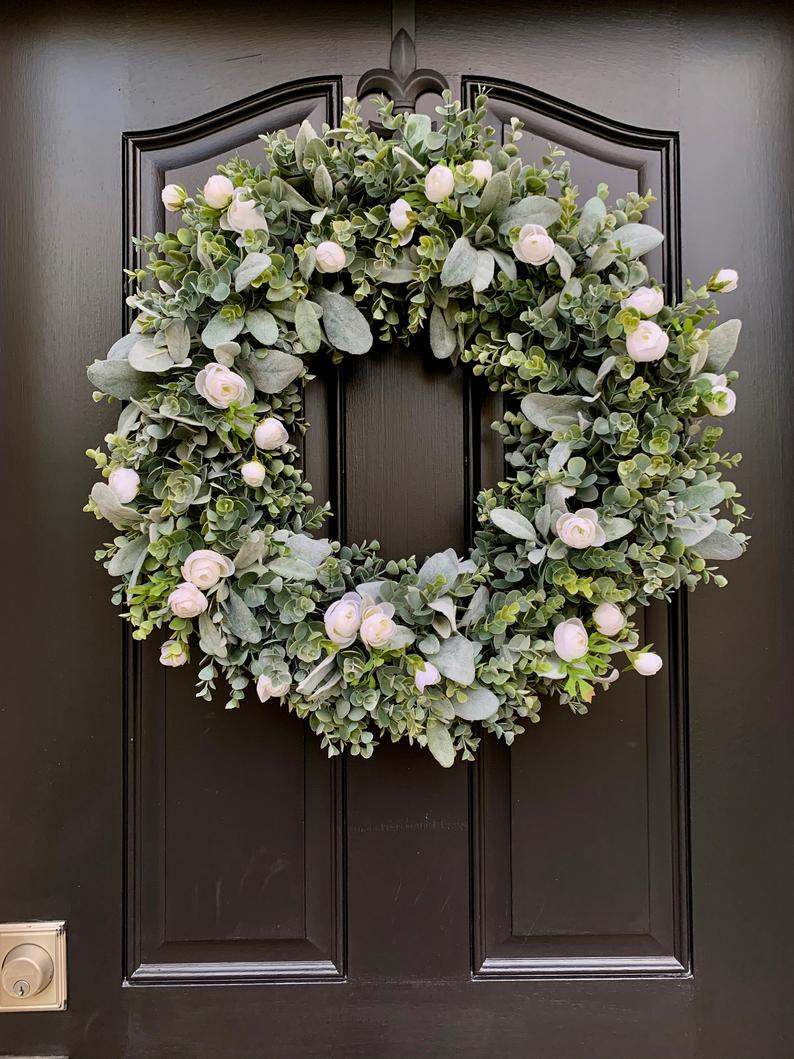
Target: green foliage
x=587, y=429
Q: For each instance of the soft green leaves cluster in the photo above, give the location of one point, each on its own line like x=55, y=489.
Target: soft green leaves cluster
x=346, y=248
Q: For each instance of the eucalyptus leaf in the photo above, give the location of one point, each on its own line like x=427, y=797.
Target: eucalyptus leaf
x=455, y=659
x=126, y=558
x=443, y=340
x=219, y=329
x=250, y=268
x=110, y=507
x=439, y=743
x=460, y=265
x=480, y=704
x=692, y=529
x=637, y=239
x=145, y=356
x=552, y=411
x=513, y=522
x=441, y=564
x=534, y=209
x=120, y=350
x=591, y=220
x=262, y=325
x=308, y=326
x=119, y=379
x=719, y=545
x=496, y=195
x=273, y=372
x=705, y=495
x=722, y=341
x=241, y=619
x=345, y=326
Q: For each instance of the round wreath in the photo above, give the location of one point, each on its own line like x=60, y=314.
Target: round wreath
x=616, y=495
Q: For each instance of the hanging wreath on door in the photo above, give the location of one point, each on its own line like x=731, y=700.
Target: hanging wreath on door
x=616, y=494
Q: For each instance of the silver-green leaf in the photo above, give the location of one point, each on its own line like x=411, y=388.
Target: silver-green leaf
x=513, y=522
x=480, y=704
x=460, y=265
x=439, y=743
x=241, y=619
x=345, y=326
x=273, y=372
x=722, y=341
x=534, y=209
x=638, y=239
x=552, y=411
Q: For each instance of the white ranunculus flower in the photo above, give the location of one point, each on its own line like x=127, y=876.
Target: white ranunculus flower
x=330, y=257
x=377, y=626
x=187, y=601
x=727, y=276
x=221, y=387
x=481, y=170
x=722, y=399
x=647, y=342
x=534, y=245
x=648, y=663
x=173, y=197
x=173, y=654
x=124, y=482
x=343, y=619
x=270, y=434
x=253, y=473
x=439, y=183
x=244, y=215
x=268, y=689
x=425, y=675
x=398, y=215
x=580, y=529
x=571, y=640
x=204, y=568
x=608, y=619
x=218, y=192
x=646, y=300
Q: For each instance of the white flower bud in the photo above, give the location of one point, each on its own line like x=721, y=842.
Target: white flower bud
x=647, y=342
x=221, y=387
x=398, y=215
x=204, y=568
x=125, y=482
x=481, y=169
x=534, y=245
x=270, y=434
x=343, y=619
x=218, y=192
x=571, y=640
x=648, y=663
x=253, y=473
x=269, y=689
x=173, y=197
x=646, y=300
x=377, y=626
x=580, y=529
x=244, y=215
x=173, y=654
x=439, y=183
x=426, y=674
x=722, y=399
x=330, y=257
x=608, y=619
x=187, y=601
x=727, y=279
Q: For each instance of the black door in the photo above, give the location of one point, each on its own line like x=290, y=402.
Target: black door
x=616, y=886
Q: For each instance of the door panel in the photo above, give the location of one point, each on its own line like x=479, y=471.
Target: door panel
x=229, y=893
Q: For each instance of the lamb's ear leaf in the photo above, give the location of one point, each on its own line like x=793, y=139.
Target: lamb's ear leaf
x=110, y=508
x=443, y=340
x=345, y=326
x=722, y=342
x=273, y=372
x=480, y=704
x=460, y=264
x=495, y=196
x=439, y=743
x=591, y=220
x=637, y=239
x=147, y=357
x=262, y=325
x=119, y=379
x=126, y=558
x=534, y=209
x=308, y=326
x=241, y=619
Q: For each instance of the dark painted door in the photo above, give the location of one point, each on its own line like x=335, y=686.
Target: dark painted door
x=617, y=886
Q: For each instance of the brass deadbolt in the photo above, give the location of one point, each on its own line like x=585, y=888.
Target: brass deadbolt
x=27, y=971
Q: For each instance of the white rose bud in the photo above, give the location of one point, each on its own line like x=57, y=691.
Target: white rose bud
x=204, y=568
x=377, y=627
x=481, y=170
x=722, y=399
x=571, y=640
x=330, y=257
x=221, y=387
x=398, y=215
x=173, y=654
x=268, y=689
x=270, y=434
x=124, y=482
x=648, y=663
x=439, y=183
x=727, y=279
x=218, y=192
x=534, y=245
x=609, y=619
x=646, y=300
x=244, y=215
x=580, y=529
x=343, y=619
x=425, y=675
x=173, y=197
x=647, y=342
x=187, y=601
x=253, y=473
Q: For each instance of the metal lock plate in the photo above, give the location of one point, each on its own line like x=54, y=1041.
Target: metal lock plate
x=33, y=966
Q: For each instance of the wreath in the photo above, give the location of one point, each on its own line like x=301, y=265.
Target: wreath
x=615, y=495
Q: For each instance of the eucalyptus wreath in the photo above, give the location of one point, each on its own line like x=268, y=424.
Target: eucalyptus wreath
x=615, y=494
